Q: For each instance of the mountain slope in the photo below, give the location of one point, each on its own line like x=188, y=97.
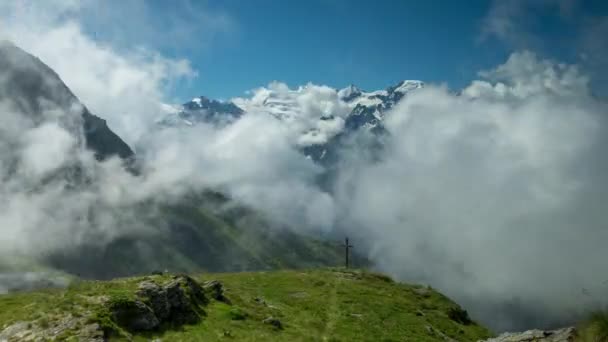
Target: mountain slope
x=197, y=235
x=337, y=305
x=33, y=89
x=193, y=234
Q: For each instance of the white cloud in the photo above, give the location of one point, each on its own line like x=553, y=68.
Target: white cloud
x=42, y=155
x=301, y=109
x=125, y=88
x=487, y=195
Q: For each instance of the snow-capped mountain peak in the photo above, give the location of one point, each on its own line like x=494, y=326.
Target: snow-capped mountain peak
x=406, y=86
x=316, y=114
x=202, y=109
x=349, y=93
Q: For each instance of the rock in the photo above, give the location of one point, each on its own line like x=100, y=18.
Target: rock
x=274, y=322
x=185, y=296
x=133, y=314
x=434, y=332
x=29, y=331
x=177, y=301
x=260, y=301
x=422, y=292
x=15, y=331
x=216, y=290
x=300, y=294
x=458, y=314
x=196, y=292
x=156, y=297
x=560, y=335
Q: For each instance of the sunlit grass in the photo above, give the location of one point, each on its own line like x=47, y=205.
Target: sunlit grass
x=312, y=305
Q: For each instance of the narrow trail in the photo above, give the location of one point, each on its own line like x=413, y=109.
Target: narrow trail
x=333, y=310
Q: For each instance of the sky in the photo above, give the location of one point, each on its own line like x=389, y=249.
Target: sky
x=489, y=193
x=236, y=46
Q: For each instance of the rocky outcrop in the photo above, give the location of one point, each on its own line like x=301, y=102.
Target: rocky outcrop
x=561, y=335
x=176, y=302
x=134, y=315
x=40, y=330
x=216, y=290
x=32, y=89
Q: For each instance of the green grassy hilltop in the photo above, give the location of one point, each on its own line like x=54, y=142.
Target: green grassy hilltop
x=310, y=305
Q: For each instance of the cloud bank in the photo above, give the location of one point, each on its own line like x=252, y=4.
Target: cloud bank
x=493, y=194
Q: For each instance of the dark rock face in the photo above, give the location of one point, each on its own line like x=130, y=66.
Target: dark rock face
x=134, y=315
x=184, y=306
x=459, y=315
x=176, y=302
x=157, y=298
x=30, y=87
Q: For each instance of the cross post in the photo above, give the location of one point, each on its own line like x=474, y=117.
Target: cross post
x=347, y=246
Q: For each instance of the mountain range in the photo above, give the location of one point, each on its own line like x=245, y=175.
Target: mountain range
x=200, y=231
x=196, y=235
x=358, y=111
x=33, y=88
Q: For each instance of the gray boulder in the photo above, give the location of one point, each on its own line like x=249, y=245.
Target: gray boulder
x=156, y=297
x=185, y=298
x=215, y=289
x=560, y=335
x=133, y=315
x=176, y=302
x=275, y=322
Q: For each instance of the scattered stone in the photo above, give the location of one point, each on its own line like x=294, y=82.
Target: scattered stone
x=299, y=294
x=422, y=292
x=216, y=290
x=274, y=322
x=259, y=300
x=419, y=313
x=434, y=332
x=560, y=335
x=28, y=331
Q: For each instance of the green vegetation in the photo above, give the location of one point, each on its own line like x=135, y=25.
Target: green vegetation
x=306, y=305
x=205, y=233
x=595, y=329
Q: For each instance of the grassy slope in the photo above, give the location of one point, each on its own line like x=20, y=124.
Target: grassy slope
x=313, y=305
x=194, y=237
x=595, y=328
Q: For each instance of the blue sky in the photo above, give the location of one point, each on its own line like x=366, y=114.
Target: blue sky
x=237, y=45
x=339, y=42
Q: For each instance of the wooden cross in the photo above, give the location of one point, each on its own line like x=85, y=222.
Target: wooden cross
x=347, y=246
